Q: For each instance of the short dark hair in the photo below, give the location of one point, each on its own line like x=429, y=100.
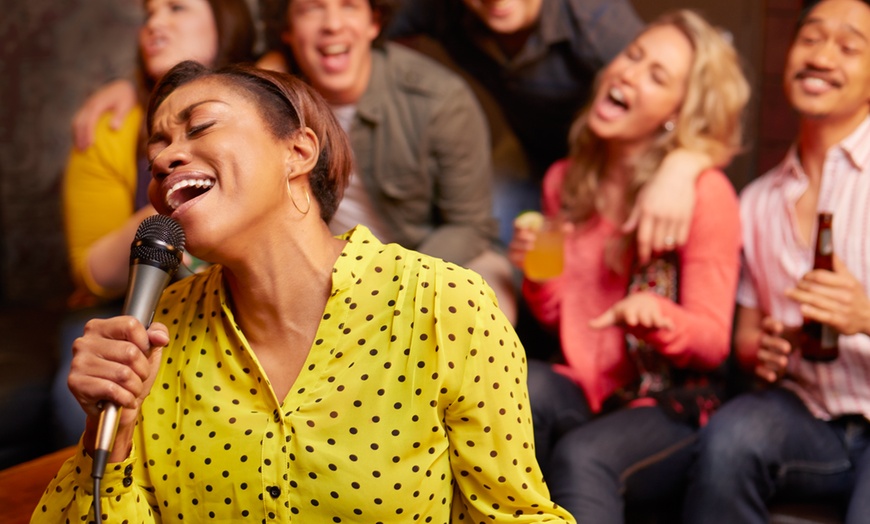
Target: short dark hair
x=808, y=6
x=287, y=105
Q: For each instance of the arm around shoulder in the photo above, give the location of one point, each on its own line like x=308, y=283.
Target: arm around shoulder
x=115, y=100
x=662, y=214
x=710, y=266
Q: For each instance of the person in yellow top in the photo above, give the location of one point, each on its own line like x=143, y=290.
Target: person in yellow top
x=100, y=187
x=105, y=185
x=302, y=377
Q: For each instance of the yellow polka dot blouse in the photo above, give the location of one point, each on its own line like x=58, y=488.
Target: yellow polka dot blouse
x=411, y=407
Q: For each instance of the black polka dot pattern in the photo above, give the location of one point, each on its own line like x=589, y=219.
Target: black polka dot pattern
x=411, y=407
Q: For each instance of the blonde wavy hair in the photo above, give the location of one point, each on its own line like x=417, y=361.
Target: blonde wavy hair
x=709, y=119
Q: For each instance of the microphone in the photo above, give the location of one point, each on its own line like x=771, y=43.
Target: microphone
x=155, y=256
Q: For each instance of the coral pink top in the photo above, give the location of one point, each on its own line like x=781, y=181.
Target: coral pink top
x=709, y=263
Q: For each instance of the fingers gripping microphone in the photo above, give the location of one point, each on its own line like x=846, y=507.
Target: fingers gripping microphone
x=155, y=256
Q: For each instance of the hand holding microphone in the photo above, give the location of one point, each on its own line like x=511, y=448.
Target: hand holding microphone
x=113, y=366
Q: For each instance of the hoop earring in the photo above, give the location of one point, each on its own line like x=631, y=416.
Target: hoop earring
x=293, y=199
x=669, y=126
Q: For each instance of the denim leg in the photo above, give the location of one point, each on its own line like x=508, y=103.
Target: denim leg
x=758, y=445
x=858, y=439
x=557, y=404
x=638, y=454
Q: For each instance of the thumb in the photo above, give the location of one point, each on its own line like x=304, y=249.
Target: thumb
x=158, y=336
x=606, y=319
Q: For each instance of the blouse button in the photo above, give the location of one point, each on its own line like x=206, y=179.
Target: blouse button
x=275, y=491
x=127, y=481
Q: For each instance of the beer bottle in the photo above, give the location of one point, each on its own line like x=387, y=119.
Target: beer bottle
x=818, y=340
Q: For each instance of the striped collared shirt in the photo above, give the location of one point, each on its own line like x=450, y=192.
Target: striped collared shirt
x=776, y=257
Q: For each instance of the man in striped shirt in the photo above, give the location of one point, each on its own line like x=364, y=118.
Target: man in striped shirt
x=806, y=433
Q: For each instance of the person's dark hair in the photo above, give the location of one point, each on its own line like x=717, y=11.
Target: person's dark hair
x=287, y=105
x=808, y=6
x=236, y=35
x=274, y=14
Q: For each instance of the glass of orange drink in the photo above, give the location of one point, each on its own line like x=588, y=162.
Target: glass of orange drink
x=545, y=260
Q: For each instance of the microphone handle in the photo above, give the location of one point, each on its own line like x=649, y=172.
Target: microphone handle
x=105, y=438
x=144, y=288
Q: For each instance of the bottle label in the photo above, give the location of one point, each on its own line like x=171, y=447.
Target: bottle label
x=826, y=244
x=829, y=337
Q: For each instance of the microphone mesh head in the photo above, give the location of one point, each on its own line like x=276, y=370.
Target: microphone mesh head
x=159, y=242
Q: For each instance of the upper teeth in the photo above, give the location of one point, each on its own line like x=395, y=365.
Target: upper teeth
x=334, y=49
x=617, y=95
x=815, y=81
x=188, y=182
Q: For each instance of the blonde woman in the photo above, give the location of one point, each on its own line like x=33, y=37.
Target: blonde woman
x=637, y=340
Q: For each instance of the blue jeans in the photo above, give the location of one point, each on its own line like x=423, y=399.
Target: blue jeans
x=765, y=444
x=594, y=464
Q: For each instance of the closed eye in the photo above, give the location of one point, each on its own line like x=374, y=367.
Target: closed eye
x=196, y=130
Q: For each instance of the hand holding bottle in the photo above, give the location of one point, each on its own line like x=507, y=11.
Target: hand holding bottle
x=835, y=298
x=775, y=345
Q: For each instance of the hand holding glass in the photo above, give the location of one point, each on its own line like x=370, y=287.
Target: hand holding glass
x=545, y=260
